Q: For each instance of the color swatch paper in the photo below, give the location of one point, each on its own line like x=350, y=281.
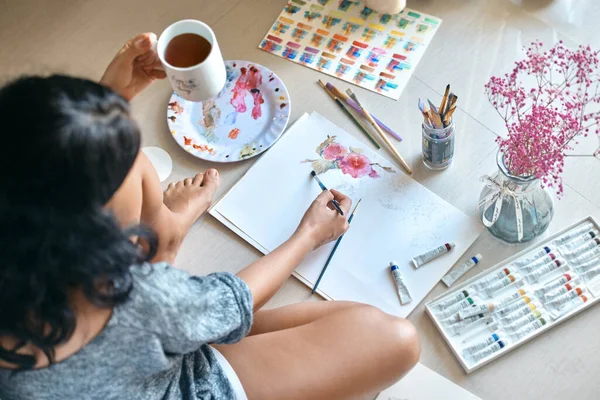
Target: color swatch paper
x=350, y=41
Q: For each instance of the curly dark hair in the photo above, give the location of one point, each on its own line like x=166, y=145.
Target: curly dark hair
x=67, y=146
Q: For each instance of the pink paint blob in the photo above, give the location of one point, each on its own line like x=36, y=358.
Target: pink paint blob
x=248, y=82
x=334, y=151
x=356, y=165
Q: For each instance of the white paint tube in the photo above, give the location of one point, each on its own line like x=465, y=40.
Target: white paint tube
x=512, y=297
x=529, y=308
x=527, y=329
x=580, y=300
x=453, y=320
x=424, y=258
x=491, y=278
x=476, y=309
x=518, y=324
x=591, y=273
x=553, y=284
x=481, y=344
x=468, y=323
x=578, y=241
x=587, y=256
x=560, y=301
x=462, y=269
x=514, y=306
x=532, y=257
x=401, y=287
x=582, y=268
x=463, y=294
x=583, y=248
x=492, y=327
x=546, y=269
x=573, y=234
x=548, y=258
x=551, y=296
x=453, y=309
x=509, y=280
x=499, y=345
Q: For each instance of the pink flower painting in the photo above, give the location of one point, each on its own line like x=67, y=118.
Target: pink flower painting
x=350, y=161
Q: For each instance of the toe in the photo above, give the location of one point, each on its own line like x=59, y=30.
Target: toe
x=179, y=184
x=171, y=185
x=211, y=181
x=187, y=181
x=198, y=179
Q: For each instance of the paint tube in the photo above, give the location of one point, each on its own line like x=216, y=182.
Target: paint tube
x=527, y=329
x=579, y=241
x=499, y=345
x=512, y=317
x=424, y=258
x=548, y=258
x=491, y=278
x=468, y=323
x=462, y=269
x=514, y=306
x=573, y=234
x=511, y=298
x=523, y=321
x=463, y=294
x=551, y=296
x=587, y=256
x=582, y=249
x=453, y=320
x=546, y=269
x=560, y=301
x=582, y=268
x=509, y=280
x=553, y=284
x=591, y=273
x=481, y=345
x=580, y=300
x=492, y=327
x=400, y=284
x=531, y=258
x=468, y=302
x=476, y=309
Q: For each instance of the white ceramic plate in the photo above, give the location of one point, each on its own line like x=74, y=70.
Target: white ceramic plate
x=245, y=119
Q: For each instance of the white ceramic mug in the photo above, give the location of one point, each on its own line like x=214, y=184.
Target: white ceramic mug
x=199, y=82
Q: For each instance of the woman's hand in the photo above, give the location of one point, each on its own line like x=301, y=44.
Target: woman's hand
x=134, y=67
x=321, y=223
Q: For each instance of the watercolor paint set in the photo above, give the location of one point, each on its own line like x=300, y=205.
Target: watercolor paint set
x=522, y=297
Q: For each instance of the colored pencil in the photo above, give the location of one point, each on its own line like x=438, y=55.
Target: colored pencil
x=336, y=204
x=356, y=108
x=381, y=134
x=345, y=108
x=333, y=251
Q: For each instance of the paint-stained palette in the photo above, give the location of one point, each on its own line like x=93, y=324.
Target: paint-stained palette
x=245, y=119
x=346, y=39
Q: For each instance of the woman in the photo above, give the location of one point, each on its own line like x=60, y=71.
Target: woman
x=84, y=315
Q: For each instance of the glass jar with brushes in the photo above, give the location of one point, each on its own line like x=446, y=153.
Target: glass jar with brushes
x=438, y=145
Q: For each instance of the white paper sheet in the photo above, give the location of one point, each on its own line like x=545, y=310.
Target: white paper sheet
x=397, y=220
x=423, y=384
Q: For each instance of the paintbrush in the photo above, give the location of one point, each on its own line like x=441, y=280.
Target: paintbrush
x=334, y=249
x=380, y=132
x=336, y=204
x=356, y=108
x=345, y=108
x=442, y=109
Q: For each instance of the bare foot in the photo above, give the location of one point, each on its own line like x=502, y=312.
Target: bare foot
x=191, y=197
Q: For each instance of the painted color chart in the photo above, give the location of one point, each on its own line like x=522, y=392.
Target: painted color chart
x=345, y=39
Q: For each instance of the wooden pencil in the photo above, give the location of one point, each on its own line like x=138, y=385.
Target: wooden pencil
x=347, y=110
x=380, y=132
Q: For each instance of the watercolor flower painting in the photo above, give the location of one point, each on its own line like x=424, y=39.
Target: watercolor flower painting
x=351, y=161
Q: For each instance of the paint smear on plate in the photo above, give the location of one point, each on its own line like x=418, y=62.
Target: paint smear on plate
x=233, y=134
x=211, y=116
x=187, y=141
x=248, y=81
x=231, y=118
x=176, y=107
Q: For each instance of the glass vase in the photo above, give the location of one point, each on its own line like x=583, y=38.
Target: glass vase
x=513, y=208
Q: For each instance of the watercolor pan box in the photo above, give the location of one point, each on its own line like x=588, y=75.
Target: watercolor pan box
x=574, y=267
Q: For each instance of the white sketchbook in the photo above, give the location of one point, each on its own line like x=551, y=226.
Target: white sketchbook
x=421, y=383
x=397, y=219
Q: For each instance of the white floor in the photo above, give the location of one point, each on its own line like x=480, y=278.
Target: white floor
x=478, y=38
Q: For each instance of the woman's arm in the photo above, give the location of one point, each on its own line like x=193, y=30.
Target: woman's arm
x=321, y=224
